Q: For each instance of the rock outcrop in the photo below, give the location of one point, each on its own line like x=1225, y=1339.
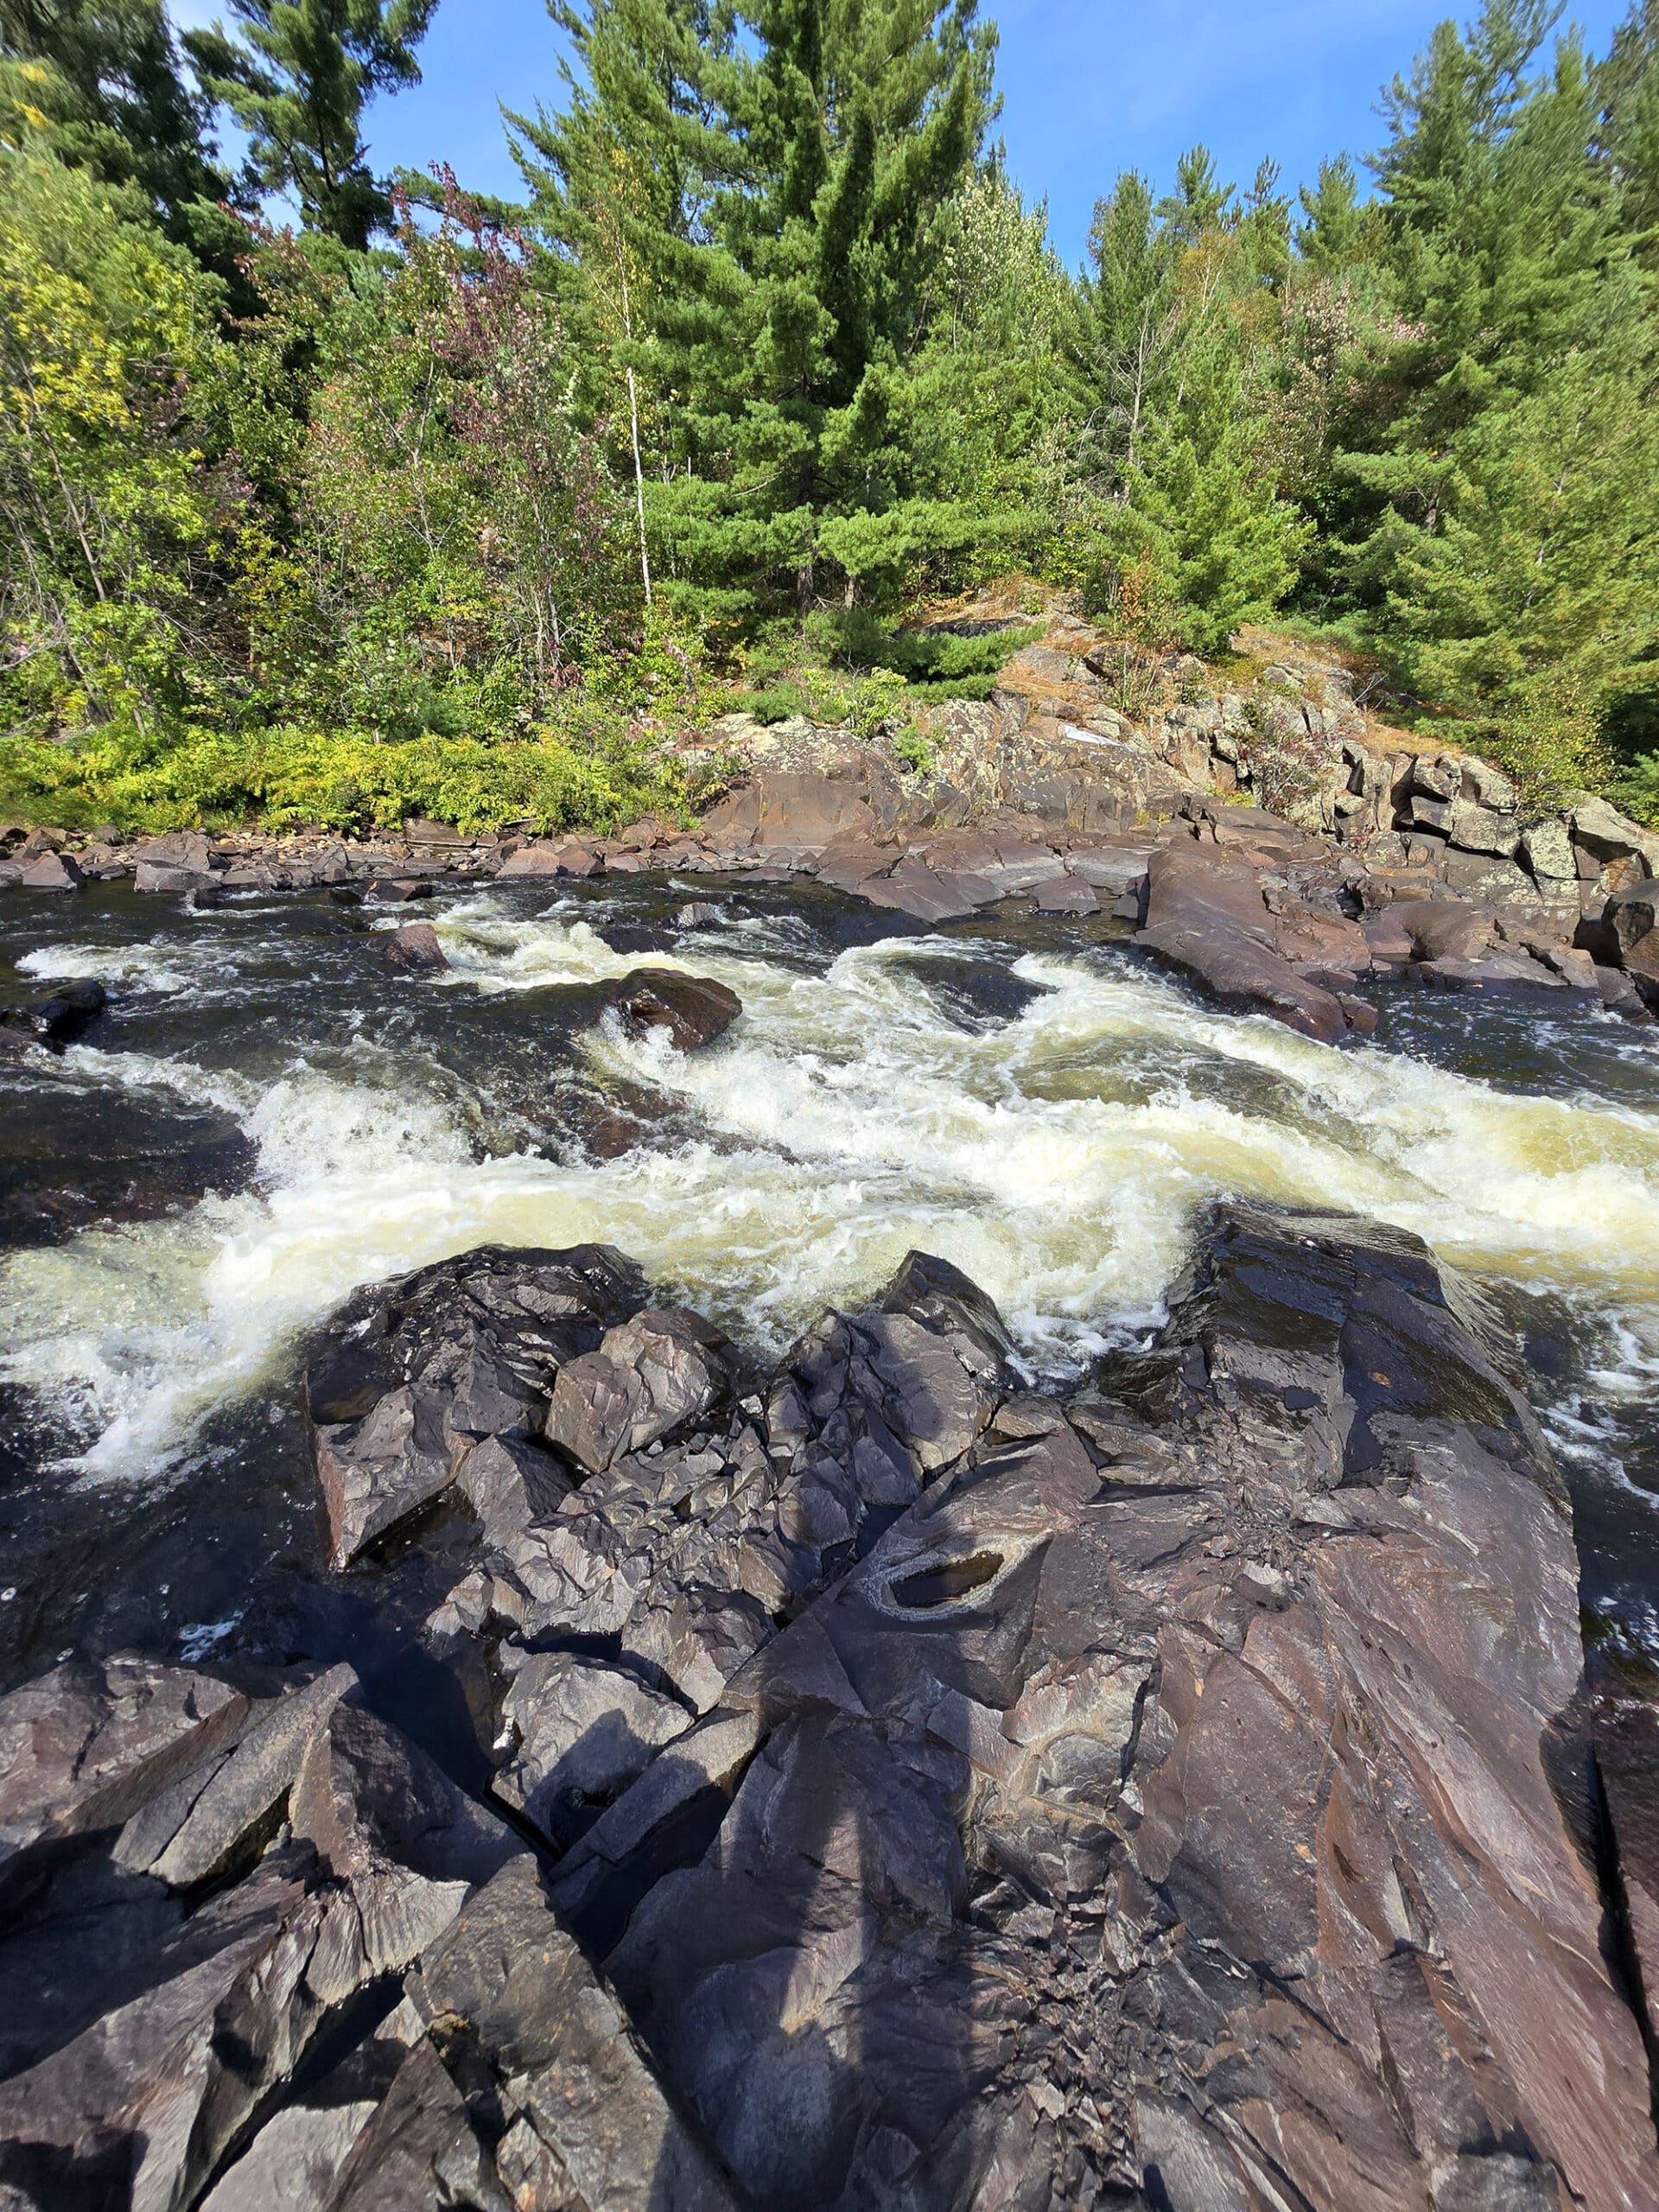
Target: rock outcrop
x=909, y=1788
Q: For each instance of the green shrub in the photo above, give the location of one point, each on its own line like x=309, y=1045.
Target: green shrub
x=349, y=781
x=1637, y=790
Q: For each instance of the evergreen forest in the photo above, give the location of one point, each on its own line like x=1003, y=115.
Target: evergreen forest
x=331, y=496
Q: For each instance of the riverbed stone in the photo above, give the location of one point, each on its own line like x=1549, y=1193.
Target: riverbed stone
x=413, y=950
x=694, y=1010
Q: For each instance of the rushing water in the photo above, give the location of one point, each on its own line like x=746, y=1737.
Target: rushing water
x=269, y=1117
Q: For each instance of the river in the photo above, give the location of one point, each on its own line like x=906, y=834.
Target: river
x=268, y=1117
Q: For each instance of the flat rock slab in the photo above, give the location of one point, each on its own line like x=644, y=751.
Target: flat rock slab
x=1066, y=894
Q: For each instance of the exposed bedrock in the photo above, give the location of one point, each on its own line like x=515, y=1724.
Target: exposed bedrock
x=910, y=1789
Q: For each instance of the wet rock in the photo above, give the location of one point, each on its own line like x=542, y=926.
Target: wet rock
x=81, y=1747
x=693, y=1009
x=92, y=1156
x=650, y=1379
x=69, y=1011
x=635, y=936
x=413, y=949
x=1493, y=971
x=415, y=1374
x=1619, y=994
x=698, y=914
x=398, y=890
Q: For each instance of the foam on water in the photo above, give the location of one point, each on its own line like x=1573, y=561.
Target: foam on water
x=1058, y=1157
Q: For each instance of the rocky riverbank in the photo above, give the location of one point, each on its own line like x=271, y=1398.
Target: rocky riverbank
x=904, y=1788
x=1383, y=860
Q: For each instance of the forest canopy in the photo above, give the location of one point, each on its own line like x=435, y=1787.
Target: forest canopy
x=335, y=496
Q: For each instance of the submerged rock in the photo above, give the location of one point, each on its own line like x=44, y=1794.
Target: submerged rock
x=59, y=1019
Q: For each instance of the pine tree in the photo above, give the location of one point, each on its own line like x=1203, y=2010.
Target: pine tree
x=297, y=79
x=615, y=179
x=104, y=78
x=1332, y=234
x=1627, y=86
x=1497, y=530
x=1176, y=312
x=812, y=153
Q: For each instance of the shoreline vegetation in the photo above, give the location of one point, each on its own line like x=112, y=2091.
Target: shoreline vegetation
x=430, y=506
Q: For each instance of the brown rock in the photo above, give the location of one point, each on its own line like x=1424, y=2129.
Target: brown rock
x=82, y=1747
x=51, y=872
x=694, y=1009
x=413, y=949
x=1208, y=919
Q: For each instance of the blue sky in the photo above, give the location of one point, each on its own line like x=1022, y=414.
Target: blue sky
x=1090, y=87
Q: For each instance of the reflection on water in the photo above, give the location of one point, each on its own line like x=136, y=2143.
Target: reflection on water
x=1040, y=1107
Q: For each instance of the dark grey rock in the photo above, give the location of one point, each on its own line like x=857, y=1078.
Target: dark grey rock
x=650, y=1379
x=414, y=1374
x=82, y=1747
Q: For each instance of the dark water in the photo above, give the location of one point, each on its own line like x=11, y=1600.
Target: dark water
x=267, y=1116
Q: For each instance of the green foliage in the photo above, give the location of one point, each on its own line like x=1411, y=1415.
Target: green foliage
x=479, y=522
x=1492, y=516
x=1173, y=354
x=297, y=78
x=348, y=780
x=1637, y=789
x=100, y=82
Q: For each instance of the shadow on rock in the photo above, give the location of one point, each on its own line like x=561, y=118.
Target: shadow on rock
x=909, y=1790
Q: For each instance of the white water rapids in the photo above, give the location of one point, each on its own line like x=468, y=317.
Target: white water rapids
x=1058, y=1156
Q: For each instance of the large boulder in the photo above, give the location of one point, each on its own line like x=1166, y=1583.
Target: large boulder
x=693, y=1009
x=1208, y=920
x=413, y=950
x=1172, y=1805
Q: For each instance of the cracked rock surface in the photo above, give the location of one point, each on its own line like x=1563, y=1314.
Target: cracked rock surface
x=907, y=1788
